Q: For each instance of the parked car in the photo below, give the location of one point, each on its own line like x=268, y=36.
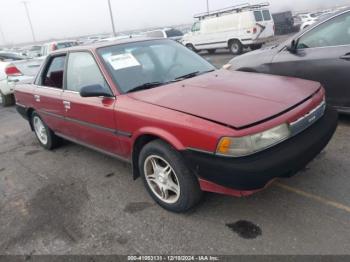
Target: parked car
x=184, y=126
x=320, y=53
x=234, y=28
x=170, y=33
x=14, y=69
x=284, y=23
x=34, y=51
x=57, y=45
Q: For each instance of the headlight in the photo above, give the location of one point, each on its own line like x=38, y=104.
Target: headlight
x=243, y=146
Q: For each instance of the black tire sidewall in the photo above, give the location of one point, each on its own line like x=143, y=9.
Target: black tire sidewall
x=190, y=192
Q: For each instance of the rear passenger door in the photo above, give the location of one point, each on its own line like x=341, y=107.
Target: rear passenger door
x=89, y=121
x=47, y=95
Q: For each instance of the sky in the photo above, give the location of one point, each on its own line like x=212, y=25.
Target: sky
x=68, y=18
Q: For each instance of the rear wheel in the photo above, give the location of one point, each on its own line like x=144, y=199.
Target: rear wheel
x=44, y=134
x=7, y=100
x=236, y=47
x=167, y=179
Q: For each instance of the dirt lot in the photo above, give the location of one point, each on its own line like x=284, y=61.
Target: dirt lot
x=76, y=201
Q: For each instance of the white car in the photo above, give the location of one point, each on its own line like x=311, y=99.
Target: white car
x=234, y=28
x=170, y=33
x=15, y=69
x=50, y=47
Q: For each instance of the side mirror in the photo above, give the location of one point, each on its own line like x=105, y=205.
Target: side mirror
x=94, y=91
x=292, y=47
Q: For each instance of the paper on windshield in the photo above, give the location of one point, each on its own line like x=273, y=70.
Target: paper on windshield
x=122, y=61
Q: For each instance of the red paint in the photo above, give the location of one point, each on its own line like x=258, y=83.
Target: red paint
x=194, y=113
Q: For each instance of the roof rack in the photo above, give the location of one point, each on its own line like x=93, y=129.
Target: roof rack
x=231, y=9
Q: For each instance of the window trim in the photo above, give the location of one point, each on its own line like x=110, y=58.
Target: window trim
x=97, y=64
x=46, y=64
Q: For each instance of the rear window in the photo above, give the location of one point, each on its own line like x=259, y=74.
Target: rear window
x=266, y=15
x=155, y=34
x=258, y=16
x=66, y=45
x=173, y=33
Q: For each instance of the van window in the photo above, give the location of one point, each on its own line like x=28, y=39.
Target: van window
x=196, y=27
x=258, y=16
x=266, y=15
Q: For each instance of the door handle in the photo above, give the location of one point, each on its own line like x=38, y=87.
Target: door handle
x=66, y=105
x=37, y=98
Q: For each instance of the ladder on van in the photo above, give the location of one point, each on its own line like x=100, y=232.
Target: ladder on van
x=232, y=9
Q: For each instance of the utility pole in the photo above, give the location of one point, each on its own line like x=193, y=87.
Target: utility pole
x=112, y=20
x=208, y=7
x=25, y=3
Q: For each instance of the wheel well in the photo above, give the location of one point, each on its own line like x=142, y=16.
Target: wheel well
x=231, y=40
x=140, y=142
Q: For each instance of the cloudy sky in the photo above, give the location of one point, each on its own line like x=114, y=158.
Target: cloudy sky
x=68, y=18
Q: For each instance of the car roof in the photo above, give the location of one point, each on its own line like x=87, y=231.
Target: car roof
x=95, y=46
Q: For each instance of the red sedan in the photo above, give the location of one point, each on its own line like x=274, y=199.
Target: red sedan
x=184, y=126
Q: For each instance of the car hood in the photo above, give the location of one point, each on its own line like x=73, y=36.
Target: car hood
x=235, y=99
x=255, y=58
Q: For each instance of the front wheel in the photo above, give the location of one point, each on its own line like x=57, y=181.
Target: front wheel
x=236, y=47
x=167, y=179
x=44, y=134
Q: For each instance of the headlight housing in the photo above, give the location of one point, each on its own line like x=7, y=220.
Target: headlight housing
x=244, y=146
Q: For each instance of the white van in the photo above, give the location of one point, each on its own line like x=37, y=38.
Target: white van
x=234, y=28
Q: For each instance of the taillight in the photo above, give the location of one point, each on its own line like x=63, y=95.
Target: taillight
x=12, y=70
x=255, y=30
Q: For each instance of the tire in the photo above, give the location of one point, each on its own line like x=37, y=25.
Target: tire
x=179, y=177
x=236, y=47
x=52, y=141
x=191, y=47
x=8, y=100
x=256, y=46
x=211, y=51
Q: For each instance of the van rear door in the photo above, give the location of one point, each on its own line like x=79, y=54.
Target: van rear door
x=265, y=24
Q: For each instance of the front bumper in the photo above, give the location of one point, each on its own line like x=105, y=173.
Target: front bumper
x=256, y=171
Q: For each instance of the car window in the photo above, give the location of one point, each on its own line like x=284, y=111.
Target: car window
x=266, y=15
x=173, y=33
x=53, y=75
x=155, y=34
x=258, y=16
x=82, y=71
x=196, y=27
x=161, y=61
x=334, y=32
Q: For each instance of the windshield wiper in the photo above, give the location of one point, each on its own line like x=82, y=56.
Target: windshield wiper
x=145, y=86
x=190, y=75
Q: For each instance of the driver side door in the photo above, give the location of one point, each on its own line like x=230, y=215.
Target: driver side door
x=323, y=55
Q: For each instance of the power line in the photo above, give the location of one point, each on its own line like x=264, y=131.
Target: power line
x=112, y=20
x=25, y=3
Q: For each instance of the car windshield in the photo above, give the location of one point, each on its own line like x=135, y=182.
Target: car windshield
x=152, y=63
